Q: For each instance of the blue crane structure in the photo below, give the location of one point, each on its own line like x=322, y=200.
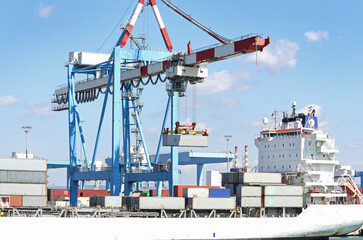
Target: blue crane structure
x=360, y=175
x=120, y=74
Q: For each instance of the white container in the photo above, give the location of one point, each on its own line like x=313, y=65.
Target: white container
x=214, y=178
x=214, y=203
x=159, y=203
x=113, y=201
x=187, y=140
x=196, y=192
x=264, y=178
x=106, y=201
x=34, y=201
x=13, y=176
x=23, y=164
x=23, y=189
x=284, y=201
x=251, y=202
x=249, y=191
x=284, y=190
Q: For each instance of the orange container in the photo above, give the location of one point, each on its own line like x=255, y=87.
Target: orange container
x=16, y=201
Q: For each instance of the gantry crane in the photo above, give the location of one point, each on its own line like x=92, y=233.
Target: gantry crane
x=119, y=74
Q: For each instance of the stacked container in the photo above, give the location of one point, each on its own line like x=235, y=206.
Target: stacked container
x=24, y=181
x=106, y=201
x=249, y=196
x=283, y=196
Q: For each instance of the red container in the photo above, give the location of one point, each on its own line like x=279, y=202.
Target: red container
x=81, y=193
x=16, y=201
x=164, y=193
x=178, y=190
x=92, y=193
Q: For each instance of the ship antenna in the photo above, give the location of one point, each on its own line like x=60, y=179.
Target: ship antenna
x=276, y=118
x=293, y=114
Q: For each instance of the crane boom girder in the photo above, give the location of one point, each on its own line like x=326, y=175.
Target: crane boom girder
x=194, y=60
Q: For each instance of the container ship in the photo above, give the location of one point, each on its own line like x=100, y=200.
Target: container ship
x=298, y=190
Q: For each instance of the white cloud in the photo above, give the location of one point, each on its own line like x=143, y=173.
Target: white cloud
x=217, y=82
x=8, y=100
x=258, y=124
x=278, y=58
x=44, y=11
x=318, y=109
x=312, y=36
x=42, y=111
x=228, y=102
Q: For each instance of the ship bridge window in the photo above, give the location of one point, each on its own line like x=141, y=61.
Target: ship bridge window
x=273, y=134
x=275, y=145
x=293, y=144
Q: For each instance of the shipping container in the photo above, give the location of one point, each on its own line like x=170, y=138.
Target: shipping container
x=249, y=201
x=213, y=178
x=178, y=190
x=262, y=178
x=219, y=193
x=159, y=203
x=34, y=201
x=249, y=191
x=23, y=164
x=283, y=190
x=212, y=203
x=58, y=204
x=283, y=201
x=92, y=192
x=164, y=193
x=106, y=201
x=16, y=201
x=17, y=176
x=23, y=189
x=195, y=192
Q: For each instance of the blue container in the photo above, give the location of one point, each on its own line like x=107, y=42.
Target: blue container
x=219, y=193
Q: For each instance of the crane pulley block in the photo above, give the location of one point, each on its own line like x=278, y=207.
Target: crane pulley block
x=179, y=76
x=185, y=73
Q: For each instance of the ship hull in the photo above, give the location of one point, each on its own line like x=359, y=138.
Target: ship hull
x=316, y=222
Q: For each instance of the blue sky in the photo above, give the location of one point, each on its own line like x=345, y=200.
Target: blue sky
x=314, y=58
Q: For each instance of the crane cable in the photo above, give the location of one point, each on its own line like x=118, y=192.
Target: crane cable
x=117, y=25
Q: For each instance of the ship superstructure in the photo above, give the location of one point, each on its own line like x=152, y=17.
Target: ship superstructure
x=299, y=149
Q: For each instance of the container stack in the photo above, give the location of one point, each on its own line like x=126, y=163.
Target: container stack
x=284, y=196
x=209, y=199
x=23, y=182
x=249, y=196
x=106, y=201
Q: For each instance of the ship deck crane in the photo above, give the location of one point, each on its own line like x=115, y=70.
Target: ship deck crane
x=126, y=69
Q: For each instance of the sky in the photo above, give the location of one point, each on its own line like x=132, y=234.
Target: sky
x=313, y=59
